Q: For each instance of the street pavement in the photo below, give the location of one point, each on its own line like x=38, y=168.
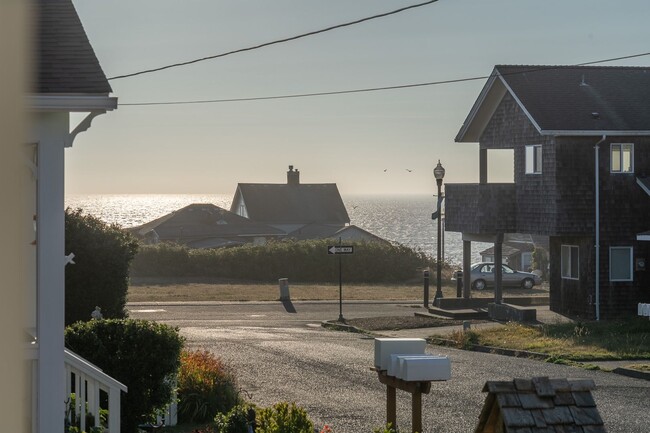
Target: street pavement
x=280, y=352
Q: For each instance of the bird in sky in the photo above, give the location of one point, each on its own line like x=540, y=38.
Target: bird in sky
x=409, y=170
x=385, y=170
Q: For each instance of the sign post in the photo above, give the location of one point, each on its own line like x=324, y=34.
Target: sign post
x=340, y=250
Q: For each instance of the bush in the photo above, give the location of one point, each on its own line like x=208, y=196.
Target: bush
x=100, y=274
x=305, y=261
x=206, y=386
x=237, y=420
x=143, y=355
x=283, y=418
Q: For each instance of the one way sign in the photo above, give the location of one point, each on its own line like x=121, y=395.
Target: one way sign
x=339, y=249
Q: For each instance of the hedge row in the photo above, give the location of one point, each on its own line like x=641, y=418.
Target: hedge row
x=305, y=261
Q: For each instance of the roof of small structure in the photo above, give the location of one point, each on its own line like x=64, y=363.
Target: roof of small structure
x=200, y=221
x=66, y=62
x=304, y=203
x=567, y=100
x=322, y=231
x=540, y=405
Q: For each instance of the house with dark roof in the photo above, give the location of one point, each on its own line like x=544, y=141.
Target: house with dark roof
x=580, y=140
x=68, y=78
x=204, y=225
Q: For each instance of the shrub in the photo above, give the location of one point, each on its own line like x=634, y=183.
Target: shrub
x=305, y=261
x=206, y=386
x=237, y=420
x=100, y=274
x=143, y=355
x=283, y=418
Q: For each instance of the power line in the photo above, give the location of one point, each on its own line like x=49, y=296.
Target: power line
x=374, y=89
x=279, y=41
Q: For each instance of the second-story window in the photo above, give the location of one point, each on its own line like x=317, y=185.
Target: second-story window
x=534, y=159
x=622, y=158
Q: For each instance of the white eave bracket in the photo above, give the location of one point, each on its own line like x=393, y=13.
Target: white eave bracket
x=82, y=126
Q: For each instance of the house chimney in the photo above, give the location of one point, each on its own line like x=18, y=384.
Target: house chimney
x=293, y=176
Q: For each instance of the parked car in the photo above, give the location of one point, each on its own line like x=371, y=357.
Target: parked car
x=482, y=276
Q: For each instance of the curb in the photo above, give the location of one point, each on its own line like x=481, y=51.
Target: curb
x=636, y=374
x=338, y=326
x=489, y=349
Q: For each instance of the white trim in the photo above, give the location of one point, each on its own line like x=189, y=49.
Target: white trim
x=631, y=250
x=621, y=171
x=534, y=154
x=477, y=107
x=642, y=185
x=643, y=237
x=570, y=264
x=593, y=133
x=86, y=367
x=71, y=102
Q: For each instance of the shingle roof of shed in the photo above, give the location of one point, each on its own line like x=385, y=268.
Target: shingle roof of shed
x=66, y=62
x=287, y=204
x=541, y=405
x=564, y=98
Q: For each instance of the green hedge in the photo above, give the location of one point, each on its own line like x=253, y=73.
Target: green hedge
x=305, y=261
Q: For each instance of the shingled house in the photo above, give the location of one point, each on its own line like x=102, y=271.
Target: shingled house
x=204, y=225
x=540, y=405
x=561, y=123
x=68, y=78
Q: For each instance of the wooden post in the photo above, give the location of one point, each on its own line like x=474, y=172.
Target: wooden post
x=416, y=412
x=391, y=406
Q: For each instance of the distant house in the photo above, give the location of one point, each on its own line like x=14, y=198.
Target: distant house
x=517, y=251
x=205, y=226
x=347, y=233
x=561, y=123
x=291, y=206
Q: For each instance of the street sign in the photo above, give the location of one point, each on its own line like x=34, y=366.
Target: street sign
x=340, y=249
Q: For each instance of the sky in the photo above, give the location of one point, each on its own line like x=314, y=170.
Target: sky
x=365, y=143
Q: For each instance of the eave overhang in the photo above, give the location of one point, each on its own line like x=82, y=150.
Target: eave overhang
x=71, y=103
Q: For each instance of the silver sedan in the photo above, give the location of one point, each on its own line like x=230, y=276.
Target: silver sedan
x=482, y=276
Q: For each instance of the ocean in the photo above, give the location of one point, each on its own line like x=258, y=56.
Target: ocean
x=405, y=219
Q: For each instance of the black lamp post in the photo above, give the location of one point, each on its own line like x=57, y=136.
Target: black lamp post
x=439, y=174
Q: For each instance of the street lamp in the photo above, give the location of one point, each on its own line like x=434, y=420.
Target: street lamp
x=439, y=174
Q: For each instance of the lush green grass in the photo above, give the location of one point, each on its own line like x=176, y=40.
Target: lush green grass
x=586, y=341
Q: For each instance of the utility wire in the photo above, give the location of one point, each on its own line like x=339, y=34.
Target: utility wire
x=376, y=89
x=279, y=41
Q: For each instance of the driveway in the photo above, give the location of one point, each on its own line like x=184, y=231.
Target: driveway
x=283, y=355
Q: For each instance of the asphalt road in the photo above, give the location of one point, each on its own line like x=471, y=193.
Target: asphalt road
x=280, y=352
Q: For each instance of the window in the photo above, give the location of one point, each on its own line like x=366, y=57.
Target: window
x=620, y=264
x=534, y=159
x=570, y=262
x=622, y=158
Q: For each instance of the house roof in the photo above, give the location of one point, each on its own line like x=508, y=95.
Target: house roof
x=66, y=62
x=540, y=405
x=201, y=221
x=567, y=100
x=289, y=204
x=322, y=231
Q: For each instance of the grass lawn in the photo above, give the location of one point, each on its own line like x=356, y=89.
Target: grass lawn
x=586, y=341
x=183, y=289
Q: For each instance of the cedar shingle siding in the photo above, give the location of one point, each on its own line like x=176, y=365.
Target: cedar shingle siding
x=560, y=202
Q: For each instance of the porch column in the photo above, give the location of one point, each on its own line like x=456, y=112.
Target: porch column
x=50, y=285
x=482, y=162
x=467, y=263
x=498, y=271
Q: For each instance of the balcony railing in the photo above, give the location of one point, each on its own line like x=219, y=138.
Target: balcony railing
x=480, y=208
x=88, y=382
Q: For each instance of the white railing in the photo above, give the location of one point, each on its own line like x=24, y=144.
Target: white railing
x=87, y=381
x=169, y=416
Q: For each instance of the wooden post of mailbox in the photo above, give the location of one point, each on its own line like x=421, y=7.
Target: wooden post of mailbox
x=416, y=389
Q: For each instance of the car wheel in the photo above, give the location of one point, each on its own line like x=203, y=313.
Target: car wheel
x=528, y=283
x=480, y=285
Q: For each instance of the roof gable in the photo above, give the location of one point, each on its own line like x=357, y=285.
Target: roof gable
x=567, y=100
x=66, y=62
x=289, y=204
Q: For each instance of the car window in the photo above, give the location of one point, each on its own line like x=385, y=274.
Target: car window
x=507, y=270
x=487, y=268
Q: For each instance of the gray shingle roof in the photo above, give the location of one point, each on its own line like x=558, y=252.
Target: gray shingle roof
x=563, y=98
x=66, y=62
x=540, y=405
x=287, y=204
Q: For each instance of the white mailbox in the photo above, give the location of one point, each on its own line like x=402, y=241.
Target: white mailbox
x=384, y=347
x=394, y=367
x=420, y=368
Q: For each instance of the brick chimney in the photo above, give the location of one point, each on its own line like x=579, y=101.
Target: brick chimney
x=293, y=176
